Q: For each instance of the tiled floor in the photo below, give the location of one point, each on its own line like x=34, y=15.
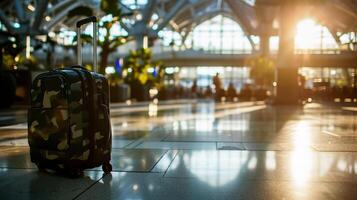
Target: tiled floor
x=201, y=150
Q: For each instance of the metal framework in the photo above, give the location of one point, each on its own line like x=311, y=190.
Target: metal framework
x=34, y=17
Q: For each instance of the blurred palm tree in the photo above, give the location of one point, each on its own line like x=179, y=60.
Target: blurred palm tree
x=108, y=42
x=140, y=72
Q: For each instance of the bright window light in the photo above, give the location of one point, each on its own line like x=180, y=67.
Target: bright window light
x=219, y=34
x=310, y=35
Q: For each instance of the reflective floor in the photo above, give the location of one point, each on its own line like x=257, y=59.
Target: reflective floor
x=201, y=150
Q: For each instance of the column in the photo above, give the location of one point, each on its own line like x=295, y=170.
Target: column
x=287, y=90
x=264, y=45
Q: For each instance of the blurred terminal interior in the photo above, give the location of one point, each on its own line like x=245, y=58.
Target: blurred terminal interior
x=210, y=99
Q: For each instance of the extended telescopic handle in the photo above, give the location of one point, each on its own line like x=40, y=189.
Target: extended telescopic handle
x=79, y=24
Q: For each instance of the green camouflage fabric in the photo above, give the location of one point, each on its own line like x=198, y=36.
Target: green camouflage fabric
x=59, y=119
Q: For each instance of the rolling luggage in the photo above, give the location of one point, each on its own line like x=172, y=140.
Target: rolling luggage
x=68, y=122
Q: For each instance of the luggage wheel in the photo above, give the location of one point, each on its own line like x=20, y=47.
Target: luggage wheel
x=107, y=167
x=40, y=167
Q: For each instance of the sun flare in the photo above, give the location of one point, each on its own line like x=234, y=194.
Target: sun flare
x=306, y=34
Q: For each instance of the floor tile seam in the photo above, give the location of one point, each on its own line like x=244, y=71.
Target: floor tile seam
x=173, y=159
x=166, y=152
x=179, y=149
x=126, y=146
x=283, y=150
x=195, y=141
x=265, y=180
x=124, y=171
x=327, y=151
x=210, y=142
x=86, y=189
x=164, y=138
x=130, y=171
x=19, y=168
x=121, y=113
x=238, y=105
x=140, y=142
x=214, y=149
x=118, y=148
x=188, y=141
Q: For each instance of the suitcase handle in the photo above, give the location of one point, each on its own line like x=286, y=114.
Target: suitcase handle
x=78, y=67
x=79, y=24
x=86, y=21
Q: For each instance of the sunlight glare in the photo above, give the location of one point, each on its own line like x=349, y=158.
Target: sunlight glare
x=306, y=34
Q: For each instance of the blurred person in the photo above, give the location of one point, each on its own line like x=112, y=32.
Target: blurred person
x=217, y=82
x=194, y=89
x=208, y=92
x=231, y=92
x=246, y=93
x=301, y=83
x=218, y=87
x=260, y=94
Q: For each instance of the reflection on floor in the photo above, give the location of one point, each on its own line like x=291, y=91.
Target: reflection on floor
x=202, y=150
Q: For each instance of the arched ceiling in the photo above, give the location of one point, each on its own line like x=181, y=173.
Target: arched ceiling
x=255, y=16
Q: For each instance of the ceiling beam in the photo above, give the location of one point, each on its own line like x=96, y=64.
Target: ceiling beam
x=61, y=16
x=241, y=15
x=179, y=5
x=148, y=11
x=41, y=6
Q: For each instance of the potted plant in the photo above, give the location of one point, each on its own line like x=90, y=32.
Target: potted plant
x=142, y=74
x=263, y=73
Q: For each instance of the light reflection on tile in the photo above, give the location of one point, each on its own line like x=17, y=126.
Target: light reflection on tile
x=224, y=150
x=269, y=146
x=119, y=143
x=31, y=184
x=336, y=147
x=137, y=160
x=230, y=146
x=176, y=145
x=16, y=158
x=165, y=161
x=218, y=168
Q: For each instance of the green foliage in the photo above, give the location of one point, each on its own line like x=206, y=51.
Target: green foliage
x=11, y=62
x=110, y=7
x=8, y=62
x=262, y=70
x=81, y=10
x=108, y=43
x=85, y=38
x=136, y=68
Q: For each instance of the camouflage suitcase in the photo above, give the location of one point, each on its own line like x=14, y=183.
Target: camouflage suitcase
x=68, y=123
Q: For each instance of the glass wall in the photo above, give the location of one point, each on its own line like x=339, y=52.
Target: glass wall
x=239, y=76
x=134, y=4
x=348, y=40
x=338, y=77
x=219, y=34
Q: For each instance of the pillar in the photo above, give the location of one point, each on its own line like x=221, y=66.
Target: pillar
x=264, y=45
x=287, y=91
x=139, y=31
x=139, y=41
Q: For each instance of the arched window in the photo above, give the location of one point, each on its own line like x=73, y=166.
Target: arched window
x=219, y=34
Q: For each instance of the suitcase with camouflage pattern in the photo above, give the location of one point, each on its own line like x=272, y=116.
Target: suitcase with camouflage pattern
x=68, y=123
